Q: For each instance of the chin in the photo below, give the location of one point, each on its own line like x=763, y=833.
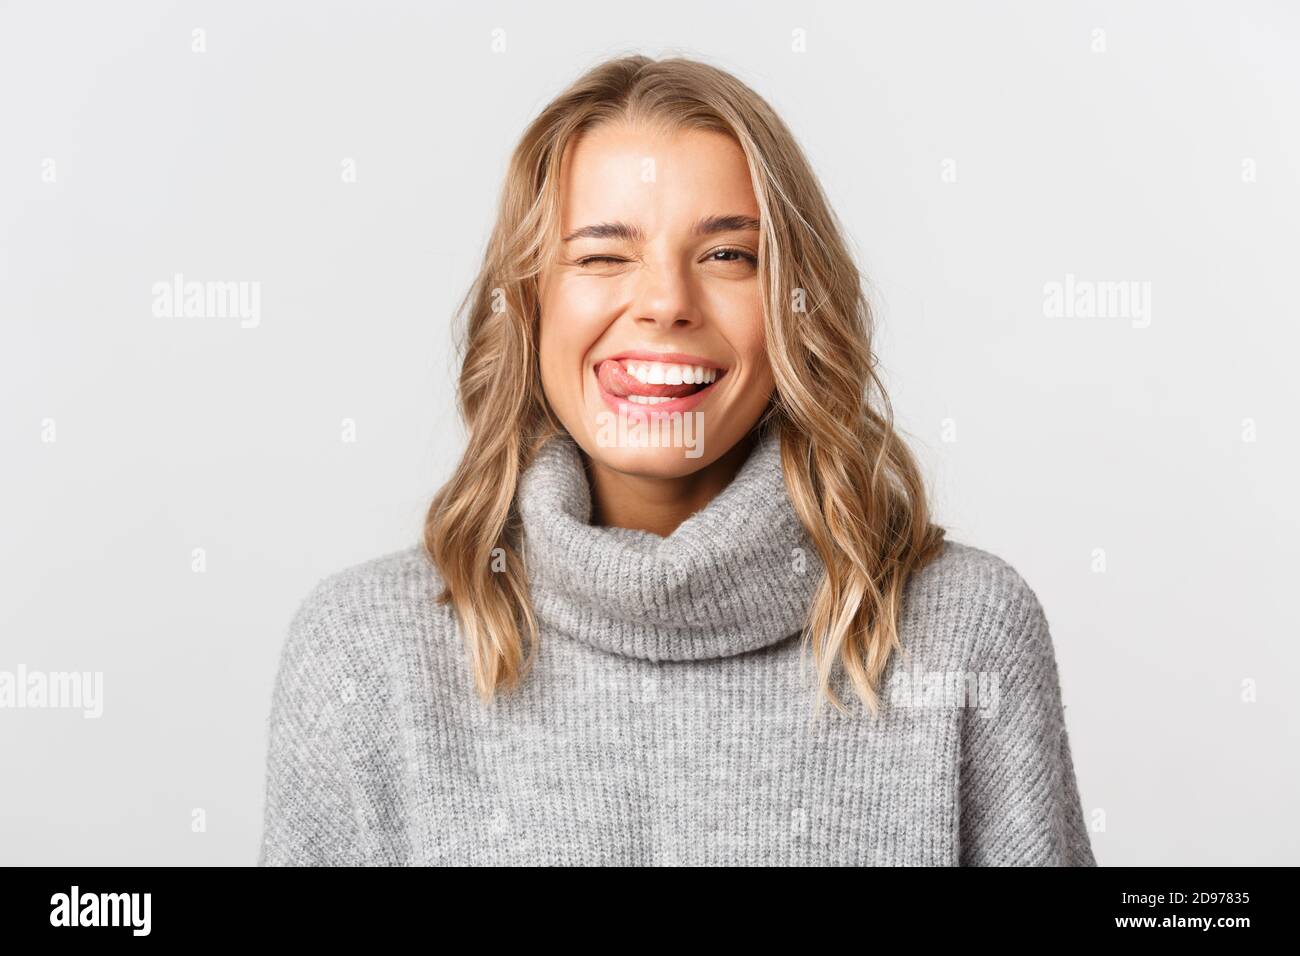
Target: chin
x=650, y=462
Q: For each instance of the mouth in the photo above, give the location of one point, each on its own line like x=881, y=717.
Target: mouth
x=656, y=383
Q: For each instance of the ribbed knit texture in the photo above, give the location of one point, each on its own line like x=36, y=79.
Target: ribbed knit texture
x=666, y=718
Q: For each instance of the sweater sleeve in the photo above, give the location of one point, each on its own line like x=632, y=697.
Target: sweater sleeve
x=309, y=816
x=1020, y=802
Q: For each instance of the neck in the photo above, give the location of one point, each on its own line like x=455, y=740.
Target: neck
x=658, y=505
x=737, y=575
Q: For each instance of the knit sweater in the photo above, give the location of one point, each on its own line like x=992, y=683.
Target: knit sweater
x=666, y=718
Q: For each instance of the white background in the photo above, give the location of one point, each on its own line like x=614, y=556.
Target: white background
x=1071, y=434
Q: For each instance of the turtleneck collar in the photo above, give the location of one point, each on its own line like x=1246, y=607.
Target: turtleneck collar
x=737, y=575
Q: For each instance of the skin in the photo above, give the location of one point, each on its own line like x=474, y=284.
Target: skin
x=668, y=289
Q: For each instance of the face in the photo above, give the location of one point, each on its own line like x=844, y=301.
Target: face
x=651, y=337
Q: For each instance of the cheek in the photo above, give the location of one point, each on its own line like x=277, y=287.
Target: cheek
x=572, y=322
x=586, y=308
x=554, y=355
x=744, y=329
x=575, y=315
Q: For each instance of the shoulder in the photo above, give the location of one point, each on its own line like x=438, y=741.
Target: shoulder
x=391, y=583
x=972, y=579
x=979, y=606
x=367, y=613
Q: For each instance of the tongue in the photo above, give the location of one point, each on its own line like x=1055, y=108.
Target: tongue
x=614, y=379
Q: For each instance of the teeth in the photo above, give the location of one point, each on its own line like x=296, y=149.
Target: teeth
x=664, y=373
x=648, y=399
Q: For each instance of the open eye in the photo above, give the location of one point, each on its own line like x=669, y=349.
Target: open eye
x=733, y=255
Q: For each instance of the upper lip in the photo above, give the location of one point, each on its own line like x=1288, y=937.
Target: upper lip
x=671, y=358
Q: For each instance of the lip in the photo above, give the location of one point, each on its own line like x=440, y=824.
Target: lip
x=674, y=358
x=685, y=403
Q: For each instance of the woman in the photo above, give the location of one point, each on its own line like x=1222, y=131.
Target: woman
x=683, y=524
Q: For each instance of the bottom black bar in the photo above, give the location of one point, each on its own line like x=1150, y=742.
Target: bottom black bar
x=1177, y=905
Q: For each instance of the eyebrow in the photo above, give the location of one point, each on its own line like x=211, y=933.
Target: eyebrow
x=707, y=226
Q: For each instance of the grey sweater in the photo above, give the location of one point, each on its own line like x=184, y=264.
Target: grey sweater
x=666, y=719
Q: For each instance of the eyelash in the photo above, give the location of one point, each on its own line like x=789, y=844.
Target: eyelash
x=747, y=256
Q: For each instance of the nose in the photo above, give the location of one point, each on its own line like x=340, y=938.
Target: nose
x=664, y=298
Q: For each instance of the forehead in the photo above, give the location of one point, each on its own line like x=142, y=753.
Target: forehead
x=653, y=178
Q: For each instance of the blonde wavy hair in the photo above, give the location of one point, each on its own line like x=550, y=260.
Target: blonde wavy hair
x=853, y=482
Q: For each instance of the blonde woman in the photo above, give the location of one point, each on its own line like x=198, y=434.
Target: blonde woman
x=681, y=601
